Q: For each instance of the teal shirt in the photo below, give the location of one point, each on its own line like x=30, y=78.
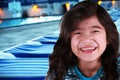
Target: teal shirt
x=82, y=77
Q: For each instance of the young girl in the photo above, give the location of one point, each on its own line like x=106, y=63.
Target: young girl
x=87, y=47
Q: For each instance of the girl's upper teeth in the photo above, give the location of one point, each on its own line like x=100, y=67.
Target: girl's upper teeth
x=91, y=48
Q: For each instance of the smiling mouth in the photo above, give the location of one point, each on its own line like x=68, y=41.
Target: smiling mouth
x=88, y=50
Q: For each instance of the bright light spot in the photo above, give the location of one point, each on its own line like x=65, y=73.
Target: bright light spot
x=67, y=6
x=99, y=2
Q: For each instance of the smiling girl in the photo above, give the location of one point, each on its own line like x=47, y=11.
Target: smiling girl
x=87, y=47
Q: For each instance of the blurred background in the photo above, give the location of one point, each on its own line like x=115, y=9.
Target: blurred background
x=28, y=31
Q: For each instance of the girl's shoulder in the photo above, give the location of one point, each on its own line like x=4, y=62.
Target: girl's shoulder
x=71, y=74
x=118, y=63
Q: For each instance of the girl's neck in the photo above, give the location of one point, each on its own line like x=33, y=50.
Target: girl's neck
x=89, y=69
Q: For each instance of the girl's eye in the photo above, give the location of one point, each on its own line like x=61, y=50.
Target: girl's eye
x=95, y=31
x=78, y=33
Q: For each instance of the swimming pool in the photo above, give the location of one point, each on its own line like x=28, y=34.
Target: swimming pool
x=6, y=23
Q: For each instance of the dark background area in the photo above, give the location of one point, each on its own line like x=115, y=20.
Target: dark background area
x=4, y=3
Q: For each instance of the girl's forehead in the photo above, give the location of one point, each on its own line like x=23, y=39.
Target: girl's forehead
x=91, y=22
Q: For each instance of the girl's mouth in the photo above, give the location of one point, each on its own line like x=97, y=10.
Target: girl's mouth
x=88, y=50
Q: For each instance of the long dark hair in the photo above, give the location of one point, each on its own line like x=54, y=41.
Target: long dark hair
x=63, y=58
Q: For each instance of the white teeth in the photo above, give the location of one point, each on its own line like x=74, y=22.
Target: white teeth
x=85, y=49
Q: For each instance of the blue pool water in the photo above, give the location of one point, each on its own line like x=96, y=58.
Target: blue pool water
x=25, y=21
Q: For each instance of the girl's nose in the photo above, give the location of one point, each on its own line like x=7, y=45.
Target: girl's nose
x=87, y=37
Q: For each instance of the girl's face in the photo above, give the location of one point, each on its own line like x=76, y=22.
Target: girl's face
x=88, y=41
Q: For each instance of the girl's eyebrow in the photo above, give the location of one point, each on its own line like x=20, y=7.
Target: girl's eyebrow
x=98, y=27
x=92, y=27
